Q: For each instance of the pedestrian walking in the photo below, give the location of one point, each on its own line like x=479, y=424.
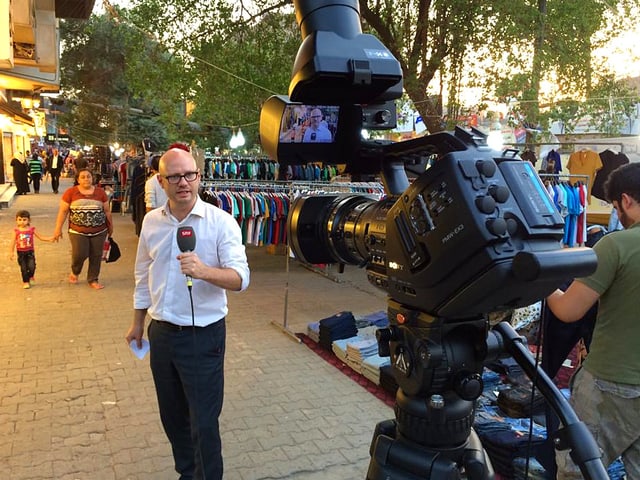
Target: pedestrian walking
x=87, y=207
x=23, y=244
x=36, y=169
x=20, y=175
x=55, y=168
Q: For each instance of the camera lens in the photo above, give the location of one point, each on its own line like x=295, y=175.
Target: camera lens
x=337, y=228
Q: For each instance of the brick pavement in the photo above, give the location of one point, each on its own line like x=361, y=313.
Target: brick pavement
x=76, y=404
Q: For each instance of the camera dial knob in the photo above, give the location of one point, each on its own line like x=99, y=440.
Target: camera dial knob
x=486, y=204
x=469, y=386
x=497, y=226
x=499, y=192
x=486, y=168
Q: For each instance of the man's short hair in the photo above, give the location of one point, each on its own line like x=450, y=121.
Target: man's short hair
x=155, y=162
x=624, y=179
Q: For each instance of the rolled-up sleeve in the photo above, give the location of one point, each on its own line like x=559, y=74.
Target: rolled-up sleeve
x=231, y=251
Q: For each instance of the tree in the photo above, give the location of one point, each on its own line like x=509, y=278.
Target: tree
x=611, y=106
x=224, y=101
x=227, y=57
x=517, y=43
x=230, y=64
x=112, y=79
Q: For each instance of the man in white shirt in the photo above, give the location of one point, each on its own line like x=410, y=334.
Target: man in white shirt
x=317, y=130
x=154, y=194
x=55, y=167
x=187, y=329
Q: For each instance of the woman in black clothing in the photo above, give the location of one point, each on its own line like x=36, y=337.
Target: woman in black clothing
x=20, y=177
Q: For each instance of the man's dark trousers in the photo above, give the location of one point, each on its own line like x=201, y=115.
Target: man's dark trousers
x=188, y=371
x=55, y=178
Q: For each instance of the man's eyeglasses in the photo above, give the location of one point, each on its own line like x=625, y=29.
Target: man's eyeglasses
x=174, y=179
x=316, y=116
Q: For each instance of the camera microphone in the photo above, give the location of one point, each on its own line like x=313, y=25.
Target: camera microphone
x=186, y=238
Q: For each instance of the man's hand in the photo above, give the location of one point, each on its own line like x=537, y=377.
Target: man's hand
x=136, y=330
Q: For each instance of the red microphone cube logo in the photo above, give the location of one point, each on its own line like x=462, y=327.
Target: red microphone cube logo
x=186, y=238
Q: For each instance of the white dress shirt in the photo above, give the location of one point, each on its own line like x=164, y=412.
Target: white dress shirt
x=160, y=286
x=154, y=194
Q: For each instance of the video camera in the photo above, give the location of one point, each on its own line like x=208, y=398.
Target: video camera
x=348, y=77
x=475, y=232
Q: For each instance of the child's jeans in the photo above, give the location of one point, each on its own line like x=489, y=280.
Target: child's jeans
x=27, y=262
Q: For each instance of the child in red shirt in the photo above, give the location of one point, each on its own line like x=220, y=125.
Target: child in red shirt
x=23, y=242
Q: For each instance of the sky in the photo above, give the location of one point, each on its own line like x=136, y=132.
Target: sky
x=623, y=53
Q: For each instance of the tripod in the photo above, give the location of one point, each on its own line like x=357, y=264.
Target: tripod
x=438, y=364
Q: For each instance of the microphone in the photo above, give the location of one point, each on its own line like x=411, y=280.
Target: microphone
x=186, y=238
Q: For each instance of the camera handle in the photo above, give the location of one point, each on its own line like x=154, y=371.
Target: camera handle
x=394, y=178
x=575, y=435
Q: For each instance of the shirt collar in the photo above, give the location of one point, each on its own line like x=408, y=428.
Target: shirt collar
x=635, y=225
x=198, y=208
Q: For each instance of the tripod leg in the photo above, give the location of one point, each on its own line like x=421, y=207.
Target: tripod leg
x=399, y=459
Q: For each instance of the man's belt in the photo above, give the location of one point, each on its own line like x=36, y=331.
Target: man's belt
x=173, y=326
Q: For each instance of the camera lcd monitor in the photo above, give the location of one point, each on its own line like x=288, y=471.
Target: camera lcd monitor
x=309, y=123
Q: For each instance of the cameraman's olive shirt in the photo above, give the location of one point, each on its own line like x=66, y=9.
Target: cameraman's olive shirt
x=615, y=354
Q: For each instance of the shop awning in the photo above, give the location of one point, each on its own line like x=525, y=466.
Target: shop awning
x=16, y=114
x=74, y=8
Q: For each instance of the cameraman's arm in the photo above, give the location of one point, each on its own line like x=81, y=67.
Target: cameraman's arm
x=572, y=305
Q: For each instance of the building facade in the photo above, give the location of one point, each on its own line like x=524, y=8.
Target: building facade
x=29, y=66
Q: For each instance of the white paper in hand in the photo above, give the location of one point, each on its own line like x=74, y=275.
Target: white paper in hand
x=142, y=351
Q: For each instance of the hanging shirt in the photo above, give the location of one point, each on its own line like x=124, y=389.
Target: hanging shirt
x=610, y=161
x=585, y=162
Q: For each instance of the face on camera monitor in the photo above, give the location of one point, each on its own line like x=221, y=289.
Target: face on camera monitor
x=309, y=123
x=298, y=133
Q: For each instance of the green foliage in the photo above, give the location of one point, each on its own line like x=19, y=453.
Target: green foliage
x=113, y=90
x=256, y=67
x=557, y=44
x=224, y=64
x=226, y=57
x=566, y=112
x=428, y=38
x=611, y=106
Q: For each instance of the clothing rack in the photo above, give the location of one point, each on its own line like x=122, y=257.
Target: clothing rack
x=293, y=185
x=565, y=176
x=561, y=144
x=246, y=185
x=573, y=220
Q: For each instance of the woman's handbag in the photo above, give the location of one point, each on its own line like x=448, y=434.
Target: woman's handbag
x=114, y=251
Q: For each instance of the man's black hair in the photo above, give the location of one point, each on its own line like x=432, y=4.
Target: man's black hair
x=624, y=179
x=155, y=162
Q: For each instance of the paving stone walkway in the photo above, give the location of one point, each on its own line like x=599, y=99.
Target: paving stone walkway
x=76, y=404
